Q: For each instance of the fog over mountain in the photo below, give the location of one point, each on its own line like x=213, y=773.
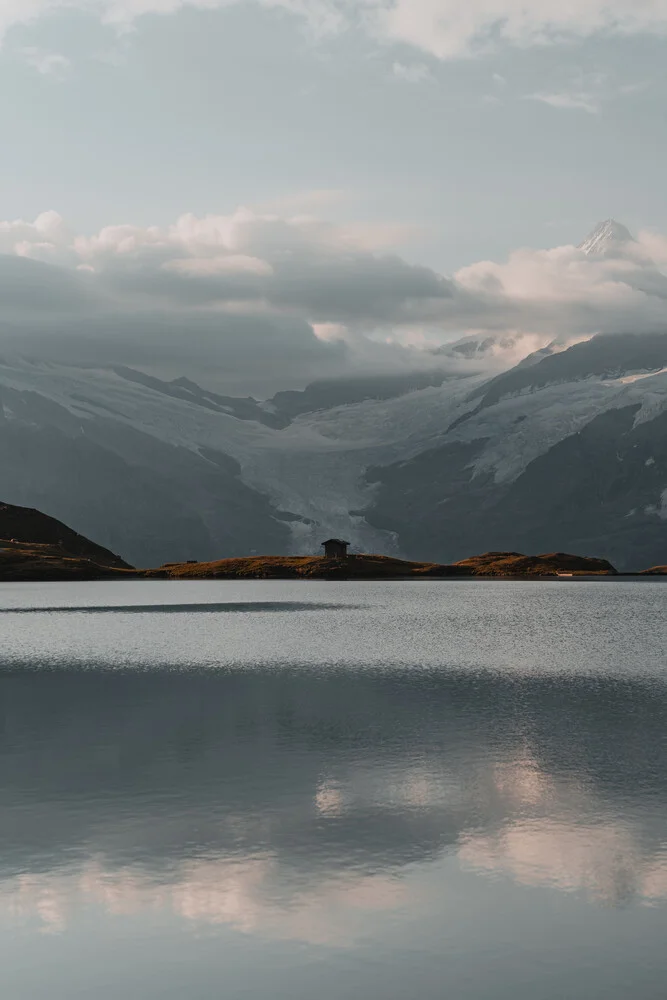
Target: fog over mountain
x=256, y=303
x=247, y=383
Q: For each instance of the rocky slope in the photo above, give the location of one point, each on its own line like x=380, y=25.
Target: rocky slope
x=569, y=454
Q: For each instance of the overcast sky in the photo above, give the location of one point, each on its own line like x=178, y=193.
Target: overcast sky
x=442, y=133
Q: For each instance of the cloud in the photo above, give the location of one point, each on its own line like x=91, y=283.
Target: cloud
x=570, y=101
x=302, y=264
x=209, y=267
x=586, y=92
x=256, y=301
x=46, y=63
x=413, y=73
x=444, y=28
x=49, y=226
x=449, y=29
x=570, y=294
x=258, y=297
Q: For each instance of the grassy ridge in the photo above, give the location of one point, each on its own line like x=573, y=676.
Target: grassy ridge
x=358, y=567
x=374, y=567
x=31, y=561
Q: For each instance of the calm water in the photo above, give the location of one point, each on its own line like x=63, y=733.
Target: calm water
x=429, y=790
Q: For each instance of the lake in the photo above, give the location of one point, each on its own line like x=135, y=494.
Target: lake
x=341, y=791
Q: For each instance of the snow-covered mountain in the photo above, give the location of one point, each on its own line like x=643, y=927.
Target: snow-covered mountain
x=566, y=452
x=608, y=236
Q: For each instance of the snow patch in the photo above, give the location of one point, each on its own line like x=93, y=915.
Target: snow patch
x=629, y=379
x=607, y=235
x=659, y=509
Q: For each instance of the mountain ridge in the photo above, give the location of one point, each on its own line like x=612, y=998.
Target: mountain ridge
x=421, y=467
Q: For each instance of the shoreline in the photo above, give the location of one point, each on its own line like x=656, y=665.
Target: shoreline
x=152, y=577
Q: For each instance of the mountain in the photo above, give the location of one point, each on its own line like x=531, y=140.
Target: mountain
x=607, y=237
x=26, y=534
x=563, y=451
x=570, y=453
x=566, y=451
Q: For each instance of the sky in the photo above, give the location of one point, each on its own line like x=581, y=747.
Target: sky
x=366, y=168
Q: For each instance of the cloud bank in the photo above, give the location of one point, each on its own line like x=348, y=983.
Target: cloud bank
x=444, y=28
x=261, y=301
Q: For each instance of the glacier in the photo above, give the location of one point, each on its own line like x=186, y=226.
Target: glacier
x=157, y=476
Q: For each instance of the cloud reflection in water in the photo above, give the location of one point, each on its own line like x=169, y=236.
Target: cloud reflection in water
x=308, y=807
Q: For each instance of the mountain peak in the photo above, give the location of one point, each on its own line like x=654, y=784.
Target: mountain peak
x=607, y=235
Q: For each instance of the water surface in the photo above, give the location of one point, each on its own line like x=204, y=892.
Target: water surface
x=287, y=790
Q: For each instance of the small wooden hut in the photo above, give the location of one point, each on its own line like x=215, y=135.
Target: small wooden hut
x=335, y=548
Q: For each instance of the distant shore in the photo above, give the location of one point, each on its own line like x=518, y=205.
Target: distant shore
x=24, y=561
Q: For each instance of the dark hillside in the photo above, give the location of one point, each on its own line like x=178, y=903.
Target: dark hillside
x=24, y=524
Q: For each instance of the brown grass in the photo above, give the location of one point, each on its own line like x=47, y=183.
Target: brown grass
x=374, y=567
x=31, y=561
x=550, y=564
x=296, y=567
